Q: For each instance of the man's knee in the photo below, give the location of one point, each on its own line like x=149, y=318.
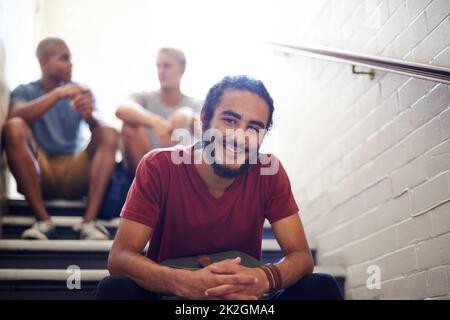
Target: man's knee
x=316, y=286
x=325, y=285
x=15, y=130
x=109, y=137
x=129, y=131
x=322, y=279
x=121, y=288
x=133, y=133
x=108, y=287
x=135, y=137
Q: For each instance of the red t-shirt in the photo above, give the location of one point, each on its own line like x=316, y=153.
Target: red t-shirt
x=187, y=220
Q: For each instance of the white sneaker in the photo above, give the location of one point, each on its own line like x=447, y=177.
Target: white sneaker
x=41, y=230
x=92, y=231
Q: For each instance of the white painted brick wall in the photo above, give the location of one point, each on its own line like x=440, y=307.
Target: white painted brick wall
x=399, y=263
x=411, y=287
x=440, y=217
x=437, y=282
x=415, y=7
x=414, y=230
x=445, y=124
x=412, y=91
x=443, y=58
x=409, y=175
x=434, y=252
x=438, y=159
x=430, y=194
x=434, y=43
x=370, y=164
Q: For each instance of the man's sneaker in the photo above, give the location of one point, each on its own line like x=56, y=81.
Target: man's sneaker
x=92, y=231
x=41, y=230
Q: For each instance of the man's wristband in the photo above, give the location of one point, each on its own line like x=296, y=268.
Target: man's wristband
x=277, y=276
x=273, y=274
x=269, y=277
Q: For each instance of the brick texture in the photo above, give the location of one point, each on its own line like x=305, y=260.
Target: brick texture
x=369, y=160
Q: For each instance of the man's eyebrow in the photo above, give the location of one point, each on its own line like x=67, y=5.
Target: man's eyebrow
x=238, y=116
x=258, y=123
x=232, y=113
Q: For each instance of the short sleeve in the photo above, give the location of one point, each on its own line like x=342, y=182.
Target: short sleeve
x=19, y=94
x=143, y=202
x=139, y=98
x=280, y=201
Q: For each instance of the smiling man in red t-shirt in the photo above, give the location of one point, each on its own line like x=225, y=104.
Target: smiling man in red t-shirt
x=215, y=199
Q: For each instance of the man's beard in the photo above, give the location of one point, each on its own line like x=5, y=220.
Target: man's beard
x=225, y=172
x=220, y=169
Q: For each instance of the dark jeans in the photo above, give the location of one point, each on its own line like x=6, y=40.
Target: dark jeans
x=316, y=286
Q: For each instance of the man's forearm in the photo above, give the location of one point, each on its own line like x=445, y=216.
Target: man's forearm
x=93, y=123
x=294, y=266
x=32, y=111
x=145, y=272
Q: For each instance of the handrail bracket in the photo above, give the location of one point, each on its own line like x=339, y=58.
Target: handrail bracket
x=370, y=73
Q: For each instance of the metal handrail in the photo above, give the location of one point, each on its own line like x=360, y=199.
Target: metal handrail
x=412, y=69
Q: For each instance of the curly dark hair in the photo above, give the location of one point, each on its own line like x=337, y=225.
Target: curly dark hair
x=242, y=82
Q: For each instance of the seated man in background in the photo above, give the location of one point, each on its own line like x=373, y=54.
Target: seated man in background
x=42, y=140
x=150, y=117
x=193, y=208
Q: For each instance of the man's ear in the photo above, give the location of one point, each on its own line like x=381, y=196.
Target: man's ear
x=202, y=116
x=43, y=62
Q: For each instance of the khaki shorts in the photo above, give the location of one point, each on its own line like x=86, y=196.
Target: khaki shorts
x=64, y=176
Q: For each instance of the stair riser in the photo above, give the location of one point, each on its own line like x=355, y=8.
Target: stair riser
x=63, y=233
x=91, y=260
x=55, y=211
x=45, y=290
x=14, y=232
x=57, y=290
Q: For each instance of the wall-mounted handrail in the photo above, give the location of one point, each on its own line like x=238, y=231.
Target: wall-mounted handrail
x=412, y=69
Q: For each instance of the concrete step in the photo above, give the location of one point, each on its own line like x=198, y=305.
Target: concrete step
x=65, y=213
x=37, y=269
x=86, y=254
x=54, y=254
x=58, y=207
x=52, y=283
x=48, y=284
x=14, y=225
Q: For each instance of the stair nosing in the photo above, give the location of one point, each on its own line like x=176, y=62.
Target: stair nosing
x=50, y=274
x=10, y=274
x=85, y=245
x=56, y=245
x=24, y=220
x=54, y=203
x=59, y=221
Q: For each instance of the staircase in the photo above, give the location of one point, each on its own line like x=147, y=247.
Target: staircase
x=38, y=269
